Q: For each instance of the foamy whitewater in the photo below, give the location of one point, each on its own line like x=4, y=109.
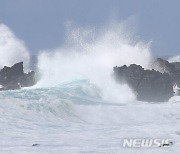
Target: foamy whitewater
x=77, y=107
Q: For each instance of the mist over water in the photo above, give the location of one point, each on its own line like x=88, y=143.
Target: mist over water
x=12, y=50
x=91, y=54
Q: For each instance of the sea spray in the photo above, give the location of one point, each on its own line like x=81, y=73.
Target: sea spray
x=174, y=59
x=90, y=54
x=12, y=50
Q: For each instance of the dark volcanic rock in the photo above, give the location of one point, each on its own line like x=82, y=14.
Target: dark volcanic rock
x=150, y=85
x=12, y=78
x=155, y=87
x=131, y=75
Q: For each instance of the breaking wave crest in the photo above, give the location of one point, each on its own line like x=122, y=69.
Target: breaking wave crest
x=90, y=54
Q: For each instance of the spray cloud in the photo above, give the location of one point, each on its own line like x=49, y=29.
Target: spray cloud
x=12, y=50
x=91, y=54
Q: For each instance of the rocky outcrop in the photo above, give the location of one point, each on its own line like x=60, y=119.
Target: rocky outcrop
x=151, y=85
x=12, y=78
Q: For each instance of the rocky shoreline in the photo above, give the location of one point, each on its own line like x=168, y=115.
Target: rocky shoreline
x=13, y=78
x=155, y=85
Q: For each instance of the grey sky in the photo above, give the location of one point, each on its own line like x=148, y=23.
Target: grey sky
x=41, y=23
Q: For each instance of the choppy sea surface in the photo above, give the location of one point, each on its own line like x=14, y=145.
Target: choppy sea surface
x=72, y=118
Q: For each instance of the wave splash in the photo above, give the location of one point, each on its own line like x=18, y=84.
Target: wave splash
x=12, y=49
x=91, y=54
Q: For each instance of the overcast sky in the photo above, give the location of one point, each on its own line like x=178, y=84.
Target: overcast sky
x=41, y=23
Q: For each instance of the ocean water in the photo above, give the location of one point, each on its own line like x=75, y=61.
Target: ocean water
x=76, y=105
x=73, y=118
